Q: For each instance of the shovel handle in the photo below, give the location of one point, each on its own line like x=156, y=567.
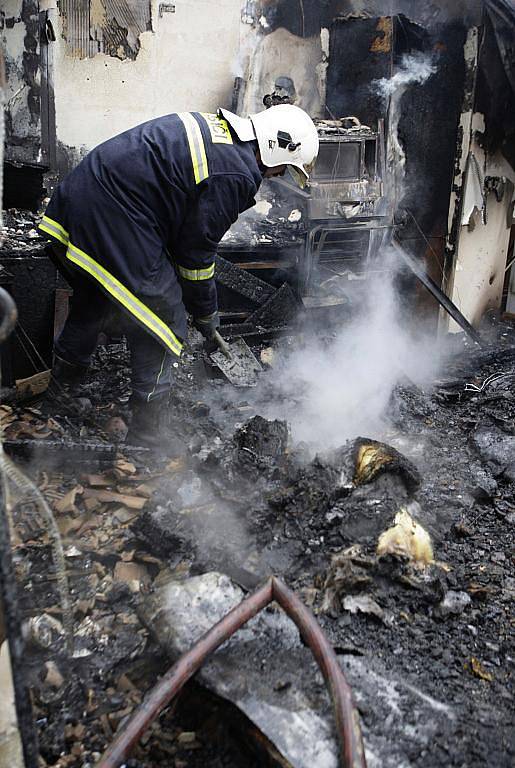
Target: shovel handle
x=222, y=345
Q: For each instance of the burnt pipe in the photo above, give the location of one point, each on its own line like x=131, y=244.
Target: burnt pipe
x=352, y=752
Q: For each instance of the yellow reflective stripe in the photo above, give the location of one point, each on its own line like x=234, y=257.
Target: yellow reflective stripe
x=113, y=286
x=196, y=144
x=125, y=297
x=197, y=274
x=51, y=227
x=55, y=224
x=51, y=231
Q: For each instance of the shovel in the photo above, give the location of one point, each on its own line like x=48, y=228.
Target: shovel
x=236, y=361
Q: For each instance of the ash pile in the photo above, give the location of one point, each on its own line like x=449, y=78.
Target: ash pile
x=400, y=544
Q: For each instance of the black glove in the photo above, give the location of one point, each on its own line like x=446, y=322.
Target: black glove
x=207, y=325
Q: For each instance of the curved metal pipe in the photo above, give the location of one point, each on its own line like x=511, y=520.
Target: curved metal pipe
x=352, y=752
x=180, y=673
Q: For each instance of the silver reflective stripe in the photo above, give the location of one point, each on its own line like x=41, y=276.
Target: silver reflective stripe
x=51, y=227
x=196, y=145
x=197, y=274
x=126, y=298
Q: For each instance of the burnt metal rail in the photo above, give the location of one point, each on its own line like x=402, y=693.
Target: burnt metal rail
x=420, y=272
x=352, y=753
x=9, y=608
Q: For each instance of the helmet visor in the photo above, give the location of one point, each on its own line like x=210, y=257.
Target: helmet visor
x=301, y=176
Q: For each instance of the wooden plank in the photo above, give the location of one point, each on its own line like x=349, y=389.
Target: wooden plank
x=265, y=264
x=32, y=386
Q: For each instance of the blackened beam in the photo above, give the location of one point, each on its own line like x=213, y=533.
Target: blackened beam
x=280, y=309
x=69, y=451
x=231, y=330
x=420, y=272
x=242, y=282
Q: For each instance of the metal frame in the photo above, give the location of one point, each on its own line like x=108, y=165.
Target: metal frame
x=314, y=248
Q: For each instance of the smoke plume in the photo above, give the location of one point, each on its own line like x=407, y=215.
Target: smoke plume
x=336, y=389
x=415, y=68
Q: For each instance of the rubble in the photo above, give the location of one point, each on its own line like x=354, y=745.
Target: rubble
x=453, y=604
x=246, y=502
x=398, y=534
x=19, y=233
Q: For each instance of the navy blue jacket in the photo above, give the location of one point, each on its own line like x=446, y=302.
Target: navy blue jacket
x=143, y=214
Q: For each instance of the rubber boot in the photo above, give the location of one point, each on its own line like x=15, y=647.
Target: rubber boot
x=150, y=428
x=63, y=388
x=147, y=417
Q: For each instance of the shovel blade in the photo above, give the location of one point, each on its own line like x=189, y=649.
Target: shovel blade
x=243, y=369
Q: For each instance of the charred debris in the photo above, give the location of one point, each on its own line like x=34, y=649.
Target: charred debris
x=361, y=461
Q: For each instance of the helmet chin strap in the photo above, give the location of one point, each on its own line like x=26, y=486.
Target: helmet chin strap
x=263, y=168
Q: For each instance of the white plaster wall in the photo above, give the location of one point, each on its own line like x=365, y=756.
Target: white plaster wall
x=481, y=255
x=12, y=44
x=187, y=63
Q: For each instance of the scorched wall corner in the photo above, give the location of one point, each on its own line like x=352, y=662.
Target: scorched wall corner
x=19, y=39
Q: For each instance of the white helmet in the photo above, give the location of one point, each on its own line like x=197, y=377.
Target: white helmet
x=286, y=135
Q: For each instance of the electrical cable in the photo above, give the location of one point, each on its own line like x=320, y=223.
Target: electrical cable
x=29, y=340
x=28, y=490
x=27, y=352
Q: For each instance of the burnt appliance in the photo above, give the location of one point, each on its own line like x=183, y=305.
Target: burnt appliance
x=347, y=208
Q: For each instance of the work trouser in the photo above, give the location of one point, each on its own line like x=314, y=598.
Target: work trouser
x=90, y=313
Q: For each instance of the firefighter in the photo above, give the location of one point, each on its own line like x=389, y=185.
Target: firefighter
x=136, y=225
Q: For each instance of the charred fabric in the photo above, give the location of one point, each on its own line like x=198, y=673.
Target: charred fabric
x=274, y=586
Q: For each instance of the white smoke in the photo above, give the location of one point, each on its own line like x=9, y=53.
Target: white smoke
x=415, y=68
x=338, y=390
